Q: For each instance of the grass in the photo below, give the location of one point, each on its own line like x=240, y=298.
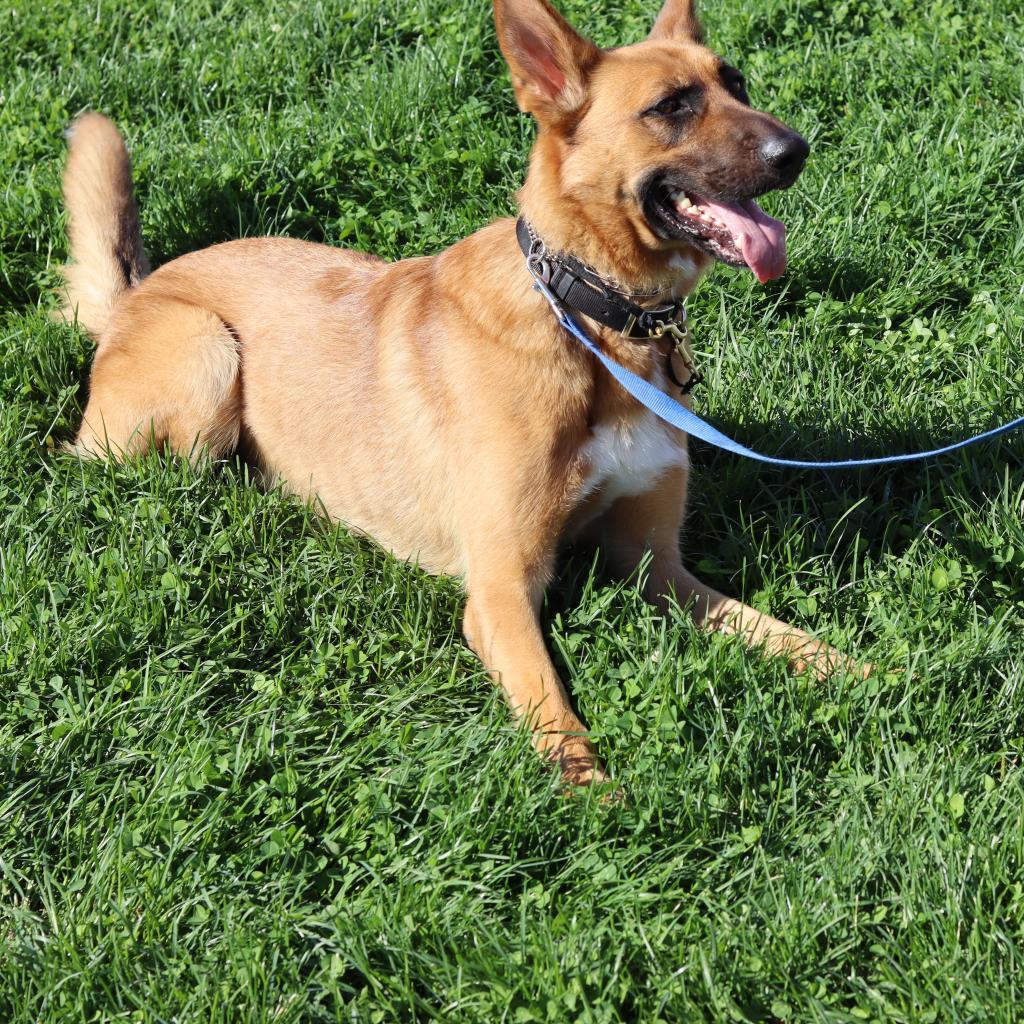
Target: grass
x=248, y=771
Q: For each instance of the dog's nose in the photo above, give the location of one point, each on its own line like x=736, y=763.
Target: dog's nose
x=786, y=153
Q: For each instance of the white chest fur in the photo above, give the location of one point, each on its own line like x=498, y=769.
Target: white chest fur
x=624, y=459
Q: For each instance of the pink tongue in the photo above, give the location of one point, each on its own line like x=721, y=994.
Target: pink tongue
x=761, y=239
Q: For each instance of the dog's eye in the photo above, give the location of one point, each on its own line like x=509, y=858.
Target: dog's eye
x=670, y=105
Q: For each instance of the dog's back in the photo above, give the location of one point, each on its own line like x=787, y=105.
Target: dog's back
x=346, y=376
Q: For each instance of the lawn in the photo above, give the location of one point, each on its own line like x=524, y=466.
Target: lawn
x=248, y=769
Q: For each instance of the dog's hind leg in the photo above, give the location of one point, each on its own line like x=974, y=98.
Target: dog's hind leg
x=166, y=374
x=502, y=625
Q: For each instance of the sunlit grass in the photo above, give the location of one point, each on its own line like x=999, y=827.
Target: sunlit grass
x=248, y=770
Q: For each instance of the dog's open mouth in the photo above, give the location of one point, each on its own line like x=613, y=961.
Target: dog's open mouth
x=740, y=233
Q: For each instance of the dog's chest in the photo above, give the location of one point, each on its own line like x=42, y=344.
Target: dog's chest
x=624, y=458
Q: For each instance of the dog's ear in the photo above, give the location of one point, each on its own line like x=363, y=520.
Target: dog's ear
x=678, y=20
x=548, y=59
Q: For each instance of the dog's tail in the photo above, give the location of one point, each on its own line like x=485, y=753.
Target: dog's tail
x=107, y=257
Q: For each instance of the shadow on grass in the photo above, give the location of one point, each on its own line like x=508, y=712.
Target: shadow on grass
x=222, y=212
x=809, y=440
x=843, y=277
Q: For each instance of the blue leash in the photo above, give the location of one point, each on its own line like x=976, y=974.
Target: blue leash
x=669, y=410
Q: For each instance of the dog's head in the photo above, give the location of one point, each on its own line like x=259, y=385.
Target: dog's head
x=649, y=157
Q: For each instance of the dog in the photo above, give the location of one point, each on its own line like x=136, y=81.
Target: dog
x=435, y=404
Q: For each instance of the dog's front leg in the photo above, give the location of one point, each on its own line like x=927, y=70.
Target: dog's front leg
x=714, y=611
x=502, y=625
x=652, y=522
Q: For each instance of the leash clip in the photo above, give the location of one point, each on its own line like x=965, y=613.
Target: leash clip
x=672, y=323
x=678, y=330
x=656, y=323
x=672, y=328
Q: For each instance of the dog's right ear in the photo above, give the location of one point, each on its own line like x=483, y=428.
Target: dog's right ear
x=548, y=58
x=678, y=20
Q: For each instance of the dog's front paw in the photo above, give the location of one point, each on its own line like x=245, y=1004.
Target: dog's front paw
x=825, y=662
x=577, y=762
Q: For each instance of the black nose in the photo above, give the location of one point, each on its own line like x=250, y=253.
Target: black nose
x=786, y=153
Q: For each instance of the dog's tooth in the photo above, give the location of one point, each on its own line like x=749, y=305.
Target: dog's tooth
x=685, y=201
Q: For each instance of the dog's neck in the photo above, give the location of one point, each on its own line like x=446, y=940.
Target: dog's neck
x=600, y=237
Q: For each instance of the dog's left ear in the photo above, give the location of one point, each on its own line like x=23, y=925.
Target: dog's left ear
x=548, y=58
x=678, y=20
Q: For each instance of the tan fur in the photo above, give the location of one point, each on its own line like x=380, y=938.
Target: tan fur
x=103, y=224
x=432, y=404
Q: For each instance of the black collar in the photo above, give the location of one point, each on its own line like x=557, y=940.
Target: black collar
x=581, y=288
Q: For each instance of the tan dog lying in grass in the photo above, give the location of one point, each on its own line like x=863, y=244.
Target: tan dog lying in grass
x=435, y=404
